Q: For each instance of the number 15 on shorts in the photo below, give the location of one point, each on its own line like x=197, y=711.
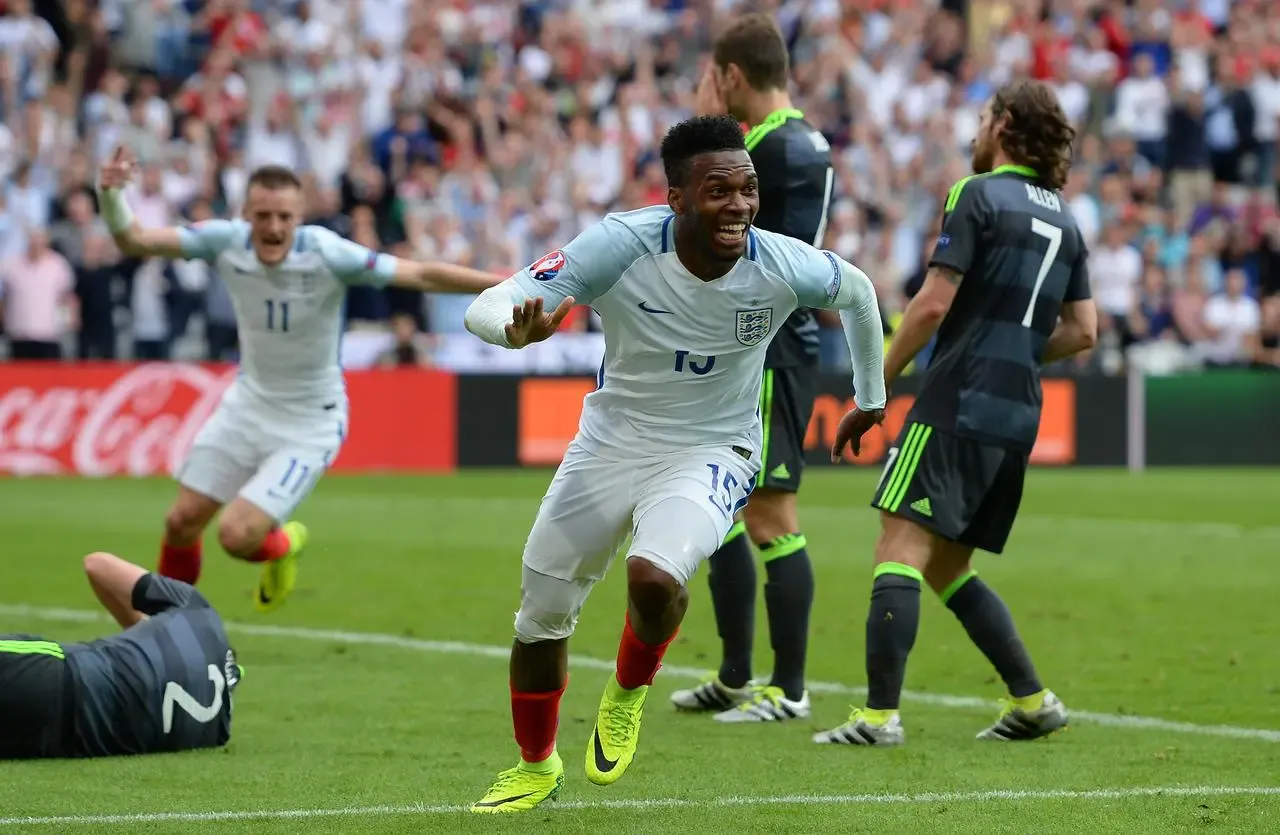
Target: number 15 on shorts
x=727, y=493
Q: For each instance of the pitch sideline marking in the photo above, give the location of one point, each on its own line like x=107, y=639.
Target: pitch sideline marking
x=1114, y=720
x=1009, y=795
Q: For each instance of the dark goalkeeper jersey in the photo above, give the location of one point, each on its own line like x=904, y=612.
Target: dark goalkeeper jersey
x=162, y=685
x=1022, y=257
x=793, y=163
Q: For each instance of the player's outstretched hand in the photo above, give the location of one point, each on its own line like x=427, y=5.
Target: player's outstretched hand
x=530, y=324
x=851, y=429
x=118, y=170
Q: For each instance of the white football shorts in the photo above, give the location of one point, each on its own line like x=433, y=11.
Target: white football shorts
x=678, y=509
x=272, y=460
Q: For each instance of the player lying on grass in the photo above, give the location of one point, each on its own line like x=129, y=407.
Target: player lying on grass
x=282, y=422
x=669, y=444
x=1007, y=290
x=163, y=684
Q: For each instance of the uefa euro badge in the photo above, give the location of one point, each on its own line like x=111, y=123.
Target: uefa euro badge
x=754, y=325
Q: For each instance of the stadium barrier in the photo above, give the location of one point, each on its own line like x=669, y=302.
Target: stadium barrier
x=119, y=419
x=1216, y=418
x=114, y=419
x=1083, y=420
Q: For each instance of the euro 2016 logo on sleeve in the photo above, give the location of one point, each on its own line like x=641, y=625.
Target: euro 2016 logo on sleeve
x=548, y=266
x=754, y=325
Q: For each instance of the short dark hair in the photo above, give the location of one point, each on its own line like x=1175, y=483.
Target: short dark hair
x=755, y=43
x=699, y=135
x=274, y=177
x=1038, y=133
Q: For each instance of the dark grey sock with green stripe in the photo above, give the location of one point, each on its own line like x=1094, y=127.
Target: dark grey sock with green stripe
x=788, y=599
x=892, y=623
x=732, y=577
x=990, y=626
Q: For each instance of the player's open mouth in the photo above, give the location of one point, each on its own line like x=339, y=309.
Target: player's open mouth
x=731, y=234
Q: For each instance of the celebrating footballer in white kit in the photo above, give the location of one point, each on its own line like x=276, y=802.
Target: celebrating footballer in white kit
x=669, y=444
x=282, y=422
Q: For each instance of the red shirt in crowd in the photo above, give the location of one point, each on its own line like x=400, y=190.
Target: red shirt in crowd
x=243, y=32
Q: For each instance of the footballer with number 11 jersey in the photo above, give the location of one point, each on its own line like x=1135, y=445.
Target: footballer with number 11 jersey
x=283, y=421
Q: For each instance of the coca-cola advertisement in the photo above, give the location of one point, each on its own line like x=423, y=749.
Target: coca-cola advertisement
x=108, y=419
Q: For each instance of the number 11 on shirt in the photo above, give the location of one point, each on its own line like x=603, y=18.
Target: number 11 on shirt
x=283, y=308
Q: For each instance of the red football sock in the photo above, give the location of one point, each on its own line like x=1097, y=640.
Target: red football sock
x=180, y=562
x=275, y=546
x=536, y=717
x=638, y=662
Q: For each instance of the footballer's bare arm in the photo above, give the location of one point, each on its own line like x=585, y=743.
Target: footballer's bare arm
x=134, y=241
x=921, y=319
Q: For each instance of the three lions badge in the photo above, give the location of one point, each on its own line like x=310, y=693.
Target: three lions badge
x=754, y=326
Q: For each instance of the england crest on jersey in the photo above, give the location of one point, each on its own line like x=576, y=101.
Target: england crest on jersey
x=754, y=325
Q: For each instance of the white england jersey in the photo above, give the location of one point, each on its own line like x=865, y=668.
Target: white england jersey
x=290, y=316
x=684, y=358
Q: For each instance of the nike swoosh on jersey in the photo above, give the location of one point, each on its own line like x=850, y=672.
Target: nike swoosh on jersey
x=602, y=762
x=645, y=307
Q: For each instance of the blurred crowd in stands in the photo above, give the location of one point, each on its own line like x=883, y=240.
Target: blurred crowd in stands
x=488, y=132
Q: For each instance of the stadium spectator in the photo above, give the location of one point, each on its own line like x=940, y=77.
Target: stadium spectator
x=1233, y=319
x=83, y=240
x=38, y=298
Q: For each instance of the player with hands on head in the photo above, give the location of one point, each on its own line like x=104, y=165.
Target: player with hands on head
x=748, y=78
x=281, y=424
x=1007, y=290
x=669, y=444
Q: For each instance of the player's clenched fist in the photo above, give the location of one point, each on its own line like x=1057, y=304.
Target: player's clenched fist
x=530, y=324
x=117, y=171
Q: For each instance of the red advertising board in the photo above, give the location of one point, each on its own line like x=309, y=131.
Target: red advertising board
x=549, y=411
x=105, y=419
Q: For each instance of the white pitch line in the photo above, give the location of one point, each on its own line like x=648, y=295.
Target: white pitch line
x=998, y=795
x=339, y=636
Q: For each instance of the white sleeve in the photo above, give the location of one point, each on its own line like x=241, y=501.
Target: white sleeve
x=824, y=280
x=204, y=241
x=488, y=316
x=585, y=270
x=350, y=262
x=864, y=331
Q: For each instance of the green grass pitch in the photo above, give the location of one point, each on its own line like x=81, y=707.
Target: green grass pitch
x=376, y=700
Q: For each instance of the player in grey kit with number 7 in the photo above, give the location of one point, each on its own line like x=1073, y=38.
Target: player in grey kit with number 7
x=1007, y=291
x=163, y=684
